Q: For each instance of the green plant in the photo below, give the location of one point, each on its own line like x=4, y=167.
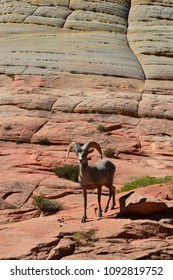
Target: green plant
x=18, y=141
x=109, y=152
x=11, y=206
x=101, y=128
x=53, y=111
x=46, y=205
x=7, y=127
x=85, y=238
x=69, y=172
x=90, y=120
x=9, y=221
x=145, y=181
x=44, y=141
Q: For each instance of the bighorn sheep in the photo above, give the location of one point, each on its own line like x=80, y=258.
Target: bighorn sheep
x=93, y=176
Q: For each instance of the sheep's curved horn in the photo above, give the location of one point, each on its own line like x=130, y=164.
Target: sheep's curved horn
x=92, y=144
x=72, y=146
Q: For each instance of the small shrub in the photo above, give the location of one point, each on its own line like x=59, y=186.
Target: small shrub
x=46, y=205
x=90, y=120
x=85, y=238
x=109, y=152
x=69, y=172
x=101, y=128
x=18, y=141
x=145, y=181
x=11, y=206
x=44, y=141
x=53, y=111
x=7, y=127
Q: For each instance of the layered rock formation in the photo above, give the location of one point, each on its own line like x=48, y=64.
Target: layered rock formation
x=91, y=32
x=130, y=39
x=79, y=37
x=150, y=38
x=105, y=63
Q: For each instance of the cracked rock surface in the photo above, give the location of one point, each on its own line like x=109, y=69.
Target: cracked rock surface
x=39, y=116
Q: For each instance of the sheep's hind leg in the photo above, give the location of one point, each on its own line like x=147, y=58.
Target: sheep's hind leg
x=110, y=195
x=113, y=197
x=85, y=206
x=99, y=202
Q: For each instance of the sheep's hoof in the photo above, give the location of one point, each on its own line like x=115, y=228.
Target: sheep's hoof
x=100, y=215
x=83, y=219
x=105, y=210
x=113, y=207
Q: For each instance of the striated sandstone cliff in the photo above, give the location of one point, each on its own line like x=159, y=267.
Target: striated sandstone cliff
x=88, y=37
x=151, y=38
x=112, y=38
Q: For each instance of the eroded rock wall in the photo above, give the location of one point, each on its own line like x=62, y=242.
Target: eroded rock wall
x=113, y=38
x=48, y=37
x=150, y=35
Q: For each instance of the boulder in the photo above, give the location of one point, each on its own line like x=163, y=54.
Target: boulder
x=65, y=247
x=19, y=129
x=134, y=204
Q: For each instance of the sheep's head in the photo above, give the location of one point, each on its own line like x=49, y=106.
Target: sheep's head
x=83, y=151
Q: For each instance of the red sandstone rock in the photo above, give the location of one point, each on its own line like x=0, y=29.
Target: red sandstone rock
x=144, y=147
x=133, y=204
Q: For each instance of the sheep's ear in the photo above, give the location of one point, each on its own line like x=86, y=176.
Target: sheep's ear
x=90, y=151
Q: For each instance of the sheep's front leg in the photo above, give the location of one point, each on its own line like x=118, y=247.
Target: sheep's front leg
x=85, y=205
x=99, y=202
